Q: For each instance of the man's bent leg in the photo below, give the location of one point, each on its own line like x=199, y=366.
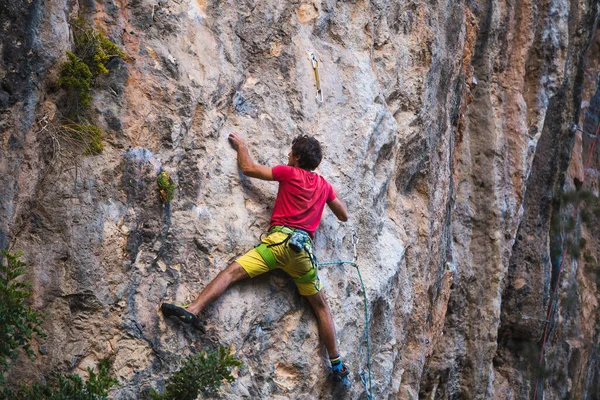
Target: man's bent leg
x=327, y=334
x=233, y=273
x=326, y=327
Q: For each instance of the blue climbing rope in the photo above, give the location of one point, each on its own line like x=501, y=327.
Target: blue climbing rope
x=364, y=379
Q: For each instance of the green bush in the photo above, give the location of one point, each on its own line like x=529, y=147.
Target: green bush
x=166, y=187
x=93, y=48
x=18, y=321
x=69, y=387
x=76, y=78
x=200, y=373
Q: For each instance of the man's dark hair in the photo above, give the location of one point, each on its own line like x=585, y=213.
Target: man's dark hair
x=309, y=150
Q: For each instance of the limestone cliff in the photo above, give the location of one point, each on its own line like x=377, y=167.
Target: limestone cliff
x=448, y=128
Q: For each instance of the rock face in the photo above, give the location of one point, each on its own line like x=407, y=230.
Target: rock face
x=447, y=127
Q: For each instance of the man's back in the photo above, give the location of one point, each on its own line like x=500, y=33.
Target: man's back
x=301, y=198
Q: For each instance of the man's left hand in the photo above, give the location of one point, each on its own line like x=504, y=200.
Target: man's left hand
x=236, y=140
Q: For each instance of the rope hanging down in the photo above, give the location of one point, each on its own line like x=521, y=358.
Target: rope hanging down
x=364, y=377
x=564, y=255
x=315, y=65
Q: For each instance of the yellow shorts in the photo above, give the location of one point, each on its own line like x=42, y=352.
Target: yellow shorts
x=295, y=264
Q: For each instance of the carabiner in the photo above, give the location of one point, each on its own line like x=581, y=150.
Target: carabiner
x=313, y=58
x=365, y=382
x=354, y=243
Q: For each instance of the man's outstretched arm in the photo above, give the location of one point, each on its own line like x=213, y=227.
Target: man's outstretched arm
x=247, y=165
x=338, y=207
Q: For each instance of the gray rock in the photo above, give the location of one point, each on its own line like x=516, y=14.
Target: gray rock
x=438, y=168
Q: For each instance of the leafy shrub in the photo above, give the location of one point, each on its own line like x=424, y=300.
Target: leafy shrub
x=94, y=49
x=166, y=187
x=18, y=321
x=200, y=373
x=70, y=387
x=76, y=78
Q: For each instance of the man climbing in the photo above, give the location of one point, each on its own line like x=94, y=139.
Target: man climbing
x=296, y=215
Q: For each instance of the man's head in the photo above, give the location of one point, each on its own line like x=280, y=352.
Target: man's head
x=306, y=153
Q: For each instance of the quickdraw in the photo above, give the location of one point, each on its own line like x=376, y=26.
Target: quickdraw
x=315, y=65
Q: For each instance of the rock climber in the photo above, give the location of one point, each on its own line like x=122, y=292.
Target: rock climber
x=296, y=215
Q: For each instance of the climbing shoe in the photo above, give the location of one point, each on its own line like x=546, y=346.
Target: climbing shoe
x=171, y=310
x=339, y=375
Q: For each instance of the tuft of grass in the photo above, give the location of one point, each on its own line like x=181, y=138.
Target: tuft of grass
x=89, y=135
x=166, y=187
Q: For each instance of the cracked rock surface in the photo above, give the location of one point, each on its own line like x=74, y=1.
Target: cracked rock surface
x=447, y=127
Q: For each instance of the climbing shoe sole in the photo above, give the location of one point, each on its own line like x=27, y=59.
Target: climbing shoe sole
x=171, y=310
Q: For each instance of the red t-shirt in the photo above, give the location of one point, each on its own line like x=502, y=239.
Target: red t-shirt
x=301, y=198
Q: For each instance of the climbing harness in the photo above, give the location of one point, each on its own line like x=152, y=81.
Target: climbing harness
x=315, y=65
x=299, y=240
x=365, y=377
x=265, y=252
